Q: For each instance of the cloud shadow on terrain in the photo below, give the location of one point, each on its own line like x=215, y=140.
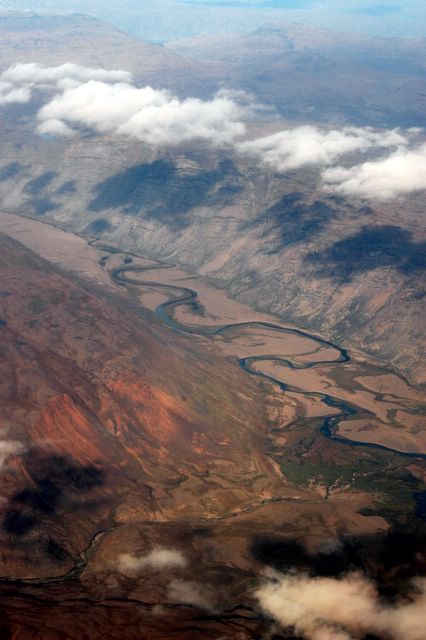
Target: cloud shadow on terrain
x=98, y=226
x=67, y=187
x=163, y=192
x=396, y=554
x=368, y=249
x=43, y=205
x=290, y=221
x=10, y=171
x=57, y=484
x=36, y=185
x=40, y=203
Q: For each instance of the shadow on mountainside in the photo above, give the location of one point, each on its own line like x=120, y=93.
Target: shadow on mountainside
x=291, y=221
x=56, y=485
x=162, y=192
x=39, y=184
x=368, y=249
x=10, y=171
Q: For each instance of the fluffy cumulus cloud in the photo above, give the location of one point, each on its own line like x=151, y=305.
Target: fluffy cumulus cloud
x=294, y=148
x=401, y=172
x=109, y=103
x=341, y=609
x=33, y=74
x=159, y=558
x=399, y=166
x=146, y=114
x=18, y=81
x=10, y=94
x=55, y=127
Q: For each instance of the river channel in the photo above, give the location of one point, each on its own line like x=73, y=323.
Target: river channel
x=184, y=296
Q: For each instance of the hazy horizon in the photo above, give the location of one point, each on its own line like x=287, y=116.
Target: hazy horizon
x=168, y=20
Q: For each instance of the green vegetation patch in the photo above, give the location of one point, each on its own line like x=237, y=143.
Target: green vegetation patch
x=382, y=474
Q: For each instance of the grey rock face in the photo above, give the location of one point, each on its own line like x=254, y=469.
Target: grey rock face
x=347, y=271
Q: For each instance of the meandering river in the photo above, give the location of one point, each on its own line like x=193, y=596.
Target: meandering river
x=184, y=296
x=183, y=311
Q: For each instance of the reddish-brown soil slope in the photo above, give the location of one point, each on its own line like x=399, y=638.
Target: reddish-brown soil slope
x=120, y=437
x=102, y=430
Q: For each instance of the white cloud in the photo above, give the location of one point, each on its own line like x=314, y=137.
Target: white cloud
x=341, y=609
x=159, y=558
x=54, y=127
x=18, y=80
x=35, y=74
x=402, y=172
x=9, y=448
x=152, y=116
x=294, y=148
x=191, y=593
x=10, y=94
x=107, y=102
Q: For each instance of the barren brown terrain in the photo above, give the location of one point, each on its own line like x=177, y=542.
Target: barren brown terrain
x=212, y=365
x=111, y=459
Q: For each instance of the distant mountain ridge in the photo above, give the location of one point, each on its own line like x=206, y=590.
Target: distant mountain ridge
x=86, y=40
x=351, y=272
x=319, y=75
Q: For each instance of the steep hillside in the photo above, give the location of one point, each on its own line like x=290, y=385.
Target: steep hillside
x=346, y=269
x=165, y=449
x=147, y=481
x=351, y=272
x=101, y=435
x=54, y=40
x=312, y=74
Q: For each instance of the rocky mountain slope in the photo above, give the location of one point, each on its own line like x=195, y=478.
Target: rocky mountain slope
x=78, y=38
x=351, y=273
x=349, y=270
x=101, y=455
x=148, y=484
x=102, y=435
x=316, y=74
x=143, y=504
